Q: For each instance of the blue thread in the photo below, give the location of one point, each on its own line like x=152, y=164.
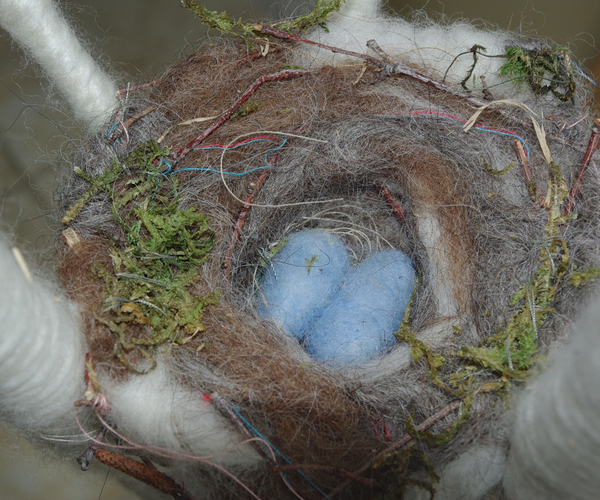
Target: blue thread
x=258, y=434
x=112, y=128
x=168, y=165
x=509, y=134
x=214, y=170
x=458, y=120
x=234, y=146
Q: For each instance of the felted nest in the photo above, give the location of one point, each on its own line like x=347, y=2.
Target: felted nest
x=167, y=237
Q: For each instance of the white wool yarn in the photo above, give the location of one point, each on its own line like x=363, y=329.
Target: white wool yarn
x=468, y=477
x=41, y=351
x=555, y=442
x=39, y=27
x=153, y=409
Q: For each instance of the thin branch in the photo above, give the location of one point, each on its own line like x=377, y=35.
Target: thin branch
x=118, y=132
x=135, y=88
x=241, y=220
x=400, y=69
x=400, y=443
x=534, y=191
x=392, y=202
x=141, y=472
x=282, y=75
x=591, y=147
x=269, y=30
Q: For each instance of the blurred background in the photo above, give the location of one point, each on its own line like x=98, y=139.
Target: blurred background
x=138, y=39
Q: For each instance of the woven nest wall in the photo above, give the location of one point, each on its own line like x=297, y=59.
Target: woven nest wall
x=169, y=228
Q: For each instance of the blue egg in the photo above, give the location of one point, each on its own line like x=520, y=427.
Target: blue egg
x=360, y=321
x=300, y=279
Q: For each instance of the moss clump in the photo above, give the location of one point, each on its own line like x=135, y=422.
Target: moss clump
x=226, y=24
x=156, y=260
x=546, y=70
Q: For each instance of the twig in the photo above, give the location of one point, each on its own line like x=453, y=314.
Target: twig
x=374, y=46
x=392, y=202
x=141, y=472
x=388, y=67
x=371, y=483
x=241, y=220
x=534, y=191
x=400, y=443
x=282, y=75
x=487, y=95
x=269, y=30
x=591, y=147
x=400, y=69
x=114, y=136
x=136, y=88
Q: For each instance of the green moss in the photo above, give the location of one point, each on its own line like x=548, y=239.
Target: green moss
x=222, y=22
x=245, y=109
x=584, y=277
x=419, y=349
x=545, y=70
x=156, y=260
x=508, y=355
x=492, y=171
x=226, y=24
x=321, y=11
x=97, y=184
x=310, y=262
x=402, y=464
x=512, y=351
x=444, y=437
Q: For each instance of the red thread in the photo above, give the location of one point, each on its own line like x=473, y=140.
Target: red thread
x=381, y=429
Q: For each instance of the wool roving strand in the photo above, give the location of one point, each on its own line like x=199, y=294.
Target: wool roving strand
x=559, y=459
x=41, y=29
x=35, y=391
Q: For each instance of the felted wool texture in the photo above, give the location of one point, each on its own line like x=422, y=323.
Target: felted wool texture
x=147, y=402
x=43, y=32
x=422, y=43
x=474, y=237
x=36, y=392
x=300, y=279
x=567, y=400
x=360, y=321
x=469, y=477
